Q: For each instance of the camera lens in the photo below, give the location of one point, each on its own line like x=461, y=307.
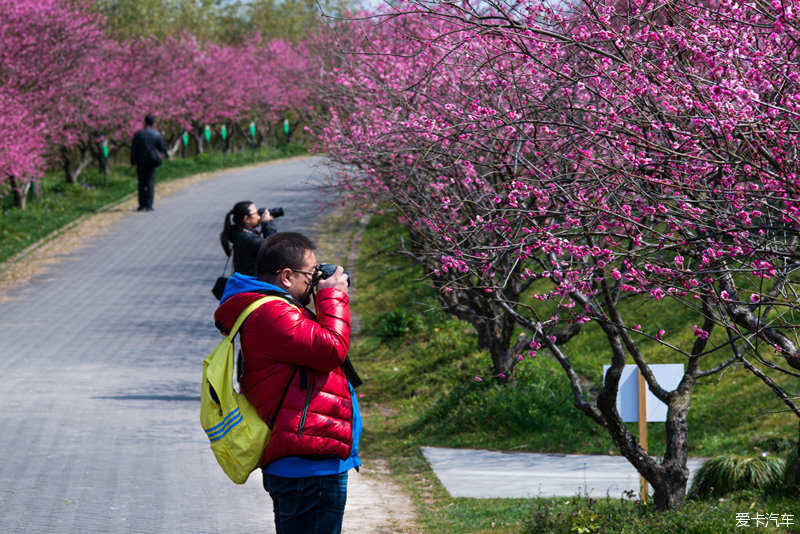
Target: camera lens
x=328, y=269
x=276, y=212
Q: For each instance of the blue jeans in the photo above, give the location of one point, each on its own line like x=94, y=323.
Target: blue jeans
x=311, y=505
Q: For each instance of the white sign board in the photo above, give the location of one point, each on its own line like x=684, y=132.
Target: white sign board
x=668, y=375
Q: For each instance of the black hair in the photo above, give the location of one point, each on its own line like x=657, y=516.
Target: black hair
x=149, y=120
x=235, y=217
x=279, y=251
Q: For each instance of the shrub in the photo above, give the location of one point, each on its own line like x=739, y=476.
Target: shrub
x=397, y=323
x=610, y=516
x=726, y=474
x=791, y=472
x=772, y=443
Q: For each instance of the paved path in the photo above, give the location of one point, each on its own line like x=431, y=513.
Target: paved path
x=476, y=473
x=102, y=357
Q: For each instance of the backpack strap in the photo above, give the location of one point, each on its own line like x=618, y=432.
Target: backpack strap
x=285, y=296
x=247, y=311
x=347, y=366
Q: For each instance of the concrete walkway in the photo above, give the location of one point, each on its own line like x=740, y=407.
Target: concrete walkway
x=102, y=357
x=484, y=474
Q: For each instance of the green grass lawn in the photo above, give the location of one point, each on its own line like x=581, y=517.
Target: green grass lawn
x=419, y=367
x=62, y=203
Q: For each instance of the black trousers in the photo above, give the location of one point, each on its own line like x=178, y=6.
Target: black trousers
x=147, y=185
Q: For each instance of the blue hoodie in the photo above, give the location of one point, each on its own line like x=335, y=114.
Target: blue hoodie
x=241, y=283
x=292, y=466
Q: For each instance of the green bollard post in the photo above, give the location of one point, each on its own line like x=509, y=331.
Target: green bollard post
x=105, y=162
x=185, y=142
x=224, y=132
x=208, y=137
x=253, y=139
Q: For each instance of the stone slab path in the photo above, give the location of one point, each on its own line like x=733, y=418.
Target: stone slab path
x=489, y=474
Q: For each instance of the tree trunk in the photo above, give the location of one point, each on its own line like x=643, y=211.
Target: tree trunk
x=71, y=175
x=669, y=478
x=38, y=193
x=797, y=465
x=239, y=140
x=670, y=486
x=96, y=153
x=83, y=164
x=494, y=334
x=65, y=165
x=269, y=136
x=19, y=191
x=493, y=326
x=494, y=331
x=172, y=150
x=198, y=141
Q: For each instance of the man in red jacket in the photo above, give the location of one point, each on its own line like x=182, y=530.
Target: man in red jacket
x=296, y=374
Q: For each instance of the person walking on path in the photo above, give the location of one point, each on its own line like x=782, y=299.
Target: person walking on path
x=297, y=375
x=240, y=231
x=147, y=153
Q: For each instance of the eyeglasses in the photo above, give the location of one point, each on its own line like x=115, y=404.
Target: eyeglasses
x=311, y=273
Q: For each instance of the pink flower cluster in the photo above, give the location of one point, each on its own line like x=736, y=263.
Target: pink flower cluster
x=641, y=152
x=65, y=84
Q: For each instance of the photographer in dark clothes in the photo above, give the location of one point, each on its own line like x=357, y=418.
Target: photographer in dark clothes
x=242, y=231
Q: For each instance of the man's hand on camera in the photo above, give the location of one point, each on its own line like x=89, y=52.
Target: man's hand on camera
x=337, y=281
x=266, y=216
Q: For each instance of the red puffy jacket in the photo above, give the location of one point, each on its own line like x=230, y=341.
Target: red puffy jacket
x=291, y=361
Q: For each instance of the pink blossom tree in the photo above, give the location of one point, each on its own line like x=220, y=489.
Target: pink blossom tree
x=21, y=148
x=377, y=125
x=79, y=88
x=195, y=83
x=618, y=154
x=43, y=67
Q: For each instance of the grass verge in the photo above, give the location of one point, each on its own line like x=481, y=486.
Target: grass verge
x=419, y=367
x=62, y=203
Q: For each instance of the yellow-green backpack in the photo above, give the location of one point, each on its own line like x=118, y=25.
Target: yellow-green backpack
x=238, y=435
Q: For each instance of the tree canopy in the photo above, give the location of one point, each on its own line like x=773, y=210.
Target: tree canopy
x=219, y=21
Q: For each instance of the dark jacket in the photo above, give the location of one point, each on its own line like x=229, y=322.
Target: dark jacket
x=246, y=242
x=292, y=372
x=147, y=148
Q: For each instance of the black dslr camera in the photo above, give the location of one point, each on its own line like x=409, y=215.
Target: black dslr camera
x=275, y=212
x=326, y=270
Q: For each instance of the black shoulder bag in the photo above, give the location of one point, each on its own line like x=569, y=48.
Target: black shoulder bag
x=219, y=285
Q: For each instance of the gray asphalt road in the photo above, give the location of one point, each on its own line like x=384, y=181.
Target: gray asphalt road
x=102, y=358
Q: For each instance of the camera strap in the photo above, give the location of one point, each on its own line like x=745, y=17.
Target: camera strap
x=350, y=372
